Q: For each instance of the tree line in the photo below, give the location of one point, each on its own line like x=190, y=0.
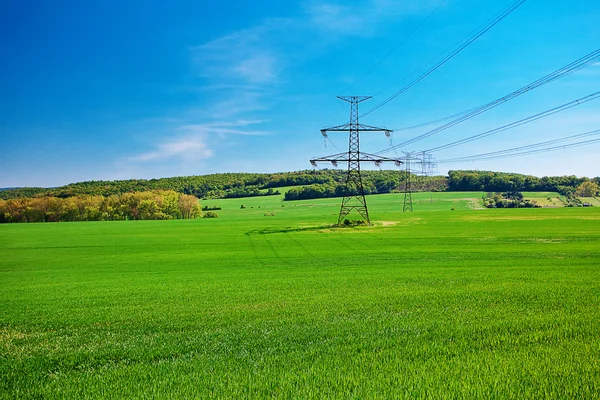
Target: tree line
x=226, y=185
x=374, y=182
x=203, y=186
x=151, y=205
x=488, y=181
x=312, y=184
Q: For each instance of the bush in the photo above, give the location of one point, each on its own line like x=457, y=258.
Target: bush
x=359, y=222
x=210, y=214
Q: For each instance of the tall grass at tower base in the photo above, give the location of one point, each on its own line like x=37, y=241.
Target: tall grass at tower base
x=449, y=301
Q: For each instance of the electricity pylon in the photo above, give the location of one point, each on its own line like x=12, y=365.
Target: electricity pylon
x=428, y=166
x=407, y=184
x=354, y=192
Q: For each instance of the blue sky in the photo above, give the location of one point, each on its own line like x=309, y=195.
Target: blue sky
x=145, y=89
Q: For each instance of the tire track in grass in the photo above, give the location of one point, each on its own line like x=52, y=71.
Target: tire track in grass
x=278, y=256
x=299, y=244
x=345, y=244
x=358, y=239
x=255, y=252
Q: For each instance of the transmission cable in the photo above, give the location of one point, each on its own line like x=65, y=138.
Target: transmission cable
x=502, y=153
x=561, y=147
x=421, y=125
x=447, y=58
x=523, y=121
x=396, y=47
x=572, y=67
x=576, y=65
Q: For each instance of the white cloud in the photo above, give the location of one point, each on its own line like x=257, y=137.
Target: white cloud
x=240, y=69
x=333, y=17
x=237, y=104
x=592, y=69
x=224, y=128
x=361, y=19
x=260, y=68
x=248, y=56
x=241, y=122
x=191, y=142
x=243, y=69
x=186, y=148
x=258, y=55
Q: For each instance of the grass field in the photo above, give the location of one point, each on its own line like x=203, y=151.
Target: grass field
x=438, y=303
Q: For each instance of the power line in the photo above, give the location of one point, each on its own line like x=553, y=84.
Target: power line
x=506, y=152
x=459, y=114
x=428, y=64
x=395, y=47
x=447, y=58
x=333, y=144
x=562, y=147
x=523, y=121
x=576, y=65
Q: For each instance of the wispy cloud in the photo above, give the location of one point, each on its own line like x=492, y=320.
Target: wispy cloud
x=247, y=56
x=245, y=66
x=192, y=142
x=236, y=104
x=241, y=71
x=259, y=68
x=241, y=122
x=592, y=69
x=360, y=19
x=225, y=128
x=335, y=17
x=186, y=148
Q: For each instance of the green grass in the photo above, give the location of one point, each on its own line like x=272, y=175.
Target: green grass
x=381, y=205
x=500, y=303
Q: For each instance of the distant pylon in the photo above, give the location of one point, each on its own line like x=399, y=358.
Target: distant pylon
x=354, y=192
x=408, y=206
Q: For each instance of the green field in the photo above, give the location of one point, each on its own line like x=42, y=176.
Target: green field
x=438, y=303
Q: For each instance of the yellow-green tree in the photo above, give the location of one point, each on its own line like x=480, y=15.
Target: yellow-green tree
x=587, y=189
x=189, y=206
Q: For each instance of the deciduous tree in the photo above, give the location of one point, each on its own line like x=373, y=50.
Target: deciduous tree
x=587, y=189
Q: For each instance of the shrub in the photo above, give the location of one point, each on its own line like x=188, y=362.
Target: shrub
x=210, y=214
x=359, y=222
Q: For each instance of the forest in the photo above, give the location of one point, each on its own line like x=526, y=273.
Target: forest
x=174, y=198
x=232, y=185
x=506, y=182
x=223, y=185
x=154, y=205
x=374, y=182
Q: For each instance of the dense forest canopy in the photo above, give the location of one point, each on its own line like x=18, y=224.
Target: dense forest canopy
x=314, y=184
x=156, y=204
x=202, y=186
x=504, y=182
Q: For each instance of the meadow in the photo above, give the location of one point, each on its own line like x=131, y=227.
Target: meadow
x=272, y=301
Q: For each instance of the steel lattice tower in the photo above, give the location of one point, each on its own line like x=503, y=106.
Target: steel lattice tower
x=408, y=185
x=354, y=193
